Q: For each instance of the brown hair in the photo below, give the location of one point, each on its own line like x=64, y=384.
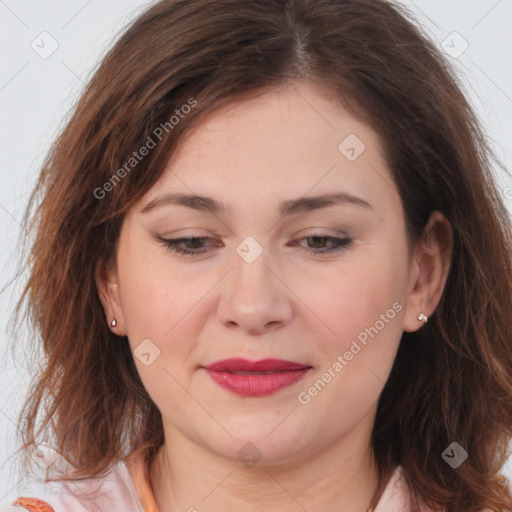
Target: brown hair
x=452, y=379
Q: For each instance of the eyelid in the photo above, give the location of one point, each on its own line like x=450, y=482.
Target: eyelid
x=338, y=244
x=196, y=233
x=323, y=232
x=189, y=233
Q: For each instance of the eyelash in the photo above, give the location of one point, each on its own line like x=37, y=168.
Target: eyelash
x=173, y=244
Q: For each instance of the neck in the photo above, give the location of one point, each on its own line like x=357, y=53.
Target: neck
x=186, y=476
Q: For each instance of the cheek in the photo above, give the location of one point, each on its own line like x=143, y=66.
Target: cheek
x=365, y=290
x=155, y=295
x=361, y=312
x=163, y=318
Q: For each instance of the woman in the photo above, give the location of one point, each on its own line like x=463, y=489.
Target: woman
x=271, y=270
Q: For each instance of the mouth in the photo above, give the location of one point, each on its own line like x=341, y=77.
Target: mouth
x=256, y=378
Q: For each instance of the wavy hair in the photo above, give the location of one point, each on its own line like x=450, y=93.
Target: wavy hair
x=451, y=380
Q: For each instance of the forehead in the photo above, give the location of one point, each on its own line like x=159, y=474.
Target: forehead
x=287, y=141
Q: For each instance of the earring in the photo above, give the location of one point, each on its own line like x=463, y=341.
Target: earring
x=113, y=323
x=422, y=318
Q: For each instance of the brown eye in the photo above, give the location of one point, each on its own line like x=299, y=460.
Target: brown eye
x=321, y=244
x=188, y=246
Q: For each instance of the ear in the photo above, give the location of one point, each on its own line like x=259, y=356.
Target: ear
x=108, y=291
x=429, y=269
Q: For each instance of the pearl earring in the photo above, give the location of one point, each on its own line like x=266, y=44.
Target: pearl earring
x=422, y=318
x=113, y=323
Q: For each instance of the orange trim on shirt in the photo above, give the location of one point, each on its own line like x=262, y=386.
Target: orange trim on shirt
x=135, y=464
x=33, y=504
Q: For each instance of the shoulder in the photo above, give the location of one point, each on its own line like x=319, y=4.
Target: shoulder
x=396, y=495
x=112, y=491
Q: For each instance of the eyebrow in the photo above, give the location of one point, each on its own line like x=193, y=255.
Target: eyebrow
x=288, y=207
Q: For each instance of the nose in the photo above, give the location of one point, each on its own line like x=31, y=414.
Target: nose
x=253, y=298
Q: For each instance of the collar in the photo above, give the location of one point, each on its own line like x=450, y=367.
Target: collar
x=141, y=482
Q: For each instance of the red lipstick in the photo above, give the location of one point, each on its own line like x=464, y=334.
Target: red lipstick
x=256, y=378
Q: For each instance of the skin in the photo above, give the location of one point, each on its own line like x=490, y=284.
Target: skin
x=289, y=304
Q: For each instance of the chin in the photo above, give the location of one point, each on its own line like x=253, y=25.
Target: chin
x=258, y=444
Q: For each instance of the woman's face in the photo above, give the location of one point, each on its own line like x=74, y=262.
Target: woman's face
x=298, y=253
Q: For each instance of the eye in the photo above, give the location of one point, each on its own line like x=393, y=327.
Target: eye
x=322, y=244
x=316, y=244
x=187, y=246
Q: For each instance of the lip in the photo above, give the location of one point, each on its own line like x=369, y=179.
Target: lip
x=245, y=377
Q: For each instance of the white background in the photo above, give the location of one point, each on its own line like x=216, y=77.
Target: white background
x=37, y=93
